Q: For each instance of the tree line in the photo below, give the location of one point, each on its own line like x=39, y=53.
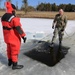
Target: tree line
x=53, y=7
x=44, y=6
x=49, y=7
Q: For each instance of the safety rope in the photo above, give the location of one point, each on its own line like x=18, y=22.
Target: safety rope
x=38, y=42
x=45, y=36
x=49, y=35
x=69, y=36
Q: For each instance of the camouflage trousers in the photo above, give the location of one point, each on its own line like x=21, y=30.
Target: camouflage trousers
x=60, y=34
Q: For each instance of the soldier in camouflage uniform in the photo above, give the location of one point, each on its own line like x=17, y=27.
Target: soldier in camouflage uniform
x=59, y=25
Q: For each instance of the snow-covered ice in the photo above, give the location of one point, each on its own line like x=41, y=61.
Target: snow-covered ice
x=37, y=29
x=34, y=26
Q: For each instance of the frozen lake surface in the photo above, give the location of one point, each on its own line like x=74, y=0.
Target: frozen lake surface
x=38, y=29
x=34, y=26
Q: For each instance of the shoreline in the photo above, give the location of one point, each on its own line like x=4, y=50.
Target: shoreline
x=40, y=14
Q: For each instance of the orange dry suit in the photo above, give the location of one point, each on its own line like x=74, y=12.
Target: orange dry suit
x=12, y=32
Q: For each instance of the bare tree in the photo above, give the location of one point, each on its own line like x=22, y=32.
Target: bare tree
x=17, y=5
x=9, y=0
x=0, y=3
x=25, y=2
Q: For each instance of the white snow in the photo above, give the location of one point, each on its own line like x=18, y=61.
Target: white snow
x=39, y=28
x=34, y=26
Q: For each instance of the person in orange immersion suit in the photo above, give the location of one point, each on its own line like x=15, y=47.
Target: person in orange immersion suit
x=12, y=35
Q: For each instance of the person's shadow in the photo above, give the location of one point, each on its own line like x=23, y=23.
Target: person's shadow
x=46, y=54
x=3, y=59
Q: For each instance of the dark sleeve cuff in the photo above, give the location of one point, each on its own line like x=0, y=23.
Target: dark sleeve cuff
x=19, y=30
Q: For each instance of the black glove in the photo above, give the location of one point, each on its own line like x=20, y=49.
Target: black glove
x=53, y=27
x=24, y=39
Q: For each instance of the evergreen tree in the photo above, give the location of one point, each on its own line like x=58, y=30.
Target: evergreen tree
x=54, y=7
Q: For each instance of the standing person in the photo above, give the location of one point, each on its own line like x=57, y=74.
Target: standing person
x=59, y=25
x=12, y=35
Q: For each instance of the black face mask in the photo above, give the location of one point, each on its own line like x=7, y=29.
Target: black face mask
x=13, y=12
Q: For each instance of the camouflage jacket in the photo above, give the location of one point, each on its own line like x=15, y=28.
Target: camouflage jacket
x=60, y=21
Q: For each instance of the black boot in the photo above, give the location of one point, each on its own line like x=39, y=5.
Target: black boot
x=16, y=66
x=9, y=62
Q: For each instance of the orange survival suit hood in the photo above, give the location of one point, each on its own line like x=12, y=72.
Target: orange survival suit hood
x=9, y=7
